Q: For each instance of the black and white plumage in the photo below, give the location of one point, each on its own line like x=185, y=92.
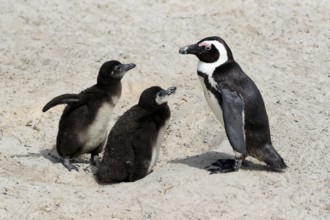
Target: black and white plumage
x=84, y=125
x=237, y=103
x=134, y=142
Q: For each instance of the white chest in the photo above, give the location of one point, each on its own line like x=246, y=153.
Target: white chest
x=97, y=132
x=208, y=69
x=212, y=102
x=156, y=146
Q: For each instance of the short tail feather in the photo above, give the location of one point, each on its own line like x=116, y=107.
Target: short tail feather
x=269, y=155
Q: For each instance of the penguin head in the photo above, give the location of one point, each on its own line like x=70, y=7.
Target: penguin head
x=155, y=97
x=210, y=50
x=113, y=70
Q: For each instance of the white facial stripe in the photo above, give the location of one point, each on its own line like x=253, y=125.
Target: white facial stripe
x=161, y=99
x=222, y=58
x=222, y=50
x=208, y=68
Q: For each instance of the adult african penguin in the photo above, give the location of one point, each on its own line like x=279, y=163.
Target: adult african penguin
x=237, y=103
x=84, y=125
x=134, y=141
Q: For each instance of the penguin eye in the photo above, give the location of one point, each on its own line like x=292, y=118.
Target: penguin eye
x=117, y=68
x=207, y=47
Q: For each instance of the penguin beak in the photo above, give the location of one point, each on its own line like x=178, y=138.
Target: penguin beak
x=168, y=91
x=163, y=95
x=126, y=67
x=190, y=49
x=171, y=90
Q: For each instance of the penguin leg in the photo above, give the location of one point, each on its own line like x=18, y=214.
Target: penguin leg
x=233, y=115
x=95, y=158
x=68, y=165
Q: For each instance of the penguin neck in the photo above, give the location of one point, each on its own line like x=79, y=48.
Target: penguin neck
x=104, y=83
x=208, y=68
x=160, y=114
x=206, y=72
x=112, y=88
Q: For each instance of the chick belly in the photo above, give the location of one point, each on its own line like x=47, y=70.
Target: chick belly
x=156, y=147
x=93, y=142
x=97, y=132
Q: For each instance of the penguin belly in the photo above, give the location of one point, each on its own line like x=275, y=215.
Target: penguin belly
x=212, y=102
x=97, y=132
x=156, y=146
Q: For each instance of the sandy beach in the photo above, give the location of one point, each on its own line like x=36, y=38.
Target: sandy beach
x=49, y=48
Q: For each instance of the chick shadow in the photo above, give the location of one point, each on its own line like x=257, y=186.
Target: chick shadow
x=47, y=154
x=204, y=162
x=52, y=156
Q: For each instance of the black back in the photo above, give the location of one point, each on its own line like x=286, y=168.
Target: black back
x=231, y=76
x=130, y=140
x=77, y=118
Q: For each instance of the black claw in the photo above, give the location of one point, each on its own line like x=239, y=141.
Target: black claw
x=71, y=167
x=68, y=165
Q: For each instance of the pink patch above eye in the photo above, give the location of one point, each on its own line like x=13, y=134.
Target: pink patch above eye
x=203, y=44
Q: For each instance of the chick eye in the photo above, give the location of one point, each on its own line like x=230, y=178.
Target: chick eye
x=117, y=68
x=207, y=47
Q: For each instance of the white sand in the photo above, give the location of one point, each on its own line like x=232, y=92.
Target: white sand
x=49, y=48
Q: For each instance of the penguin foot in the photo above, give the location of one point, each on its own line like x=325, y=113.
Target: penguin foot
x=225, y=166
x=68, y=165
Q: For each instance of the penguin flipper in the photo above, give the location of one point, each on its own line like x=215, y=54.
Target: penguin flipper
x=233, y=110
x=77, y=99
x=142, y=149
x=141, y=161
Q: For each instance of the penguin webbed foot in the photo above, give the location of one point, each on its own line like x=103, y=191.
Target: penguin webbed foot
x=68, y=165
x=225, y=166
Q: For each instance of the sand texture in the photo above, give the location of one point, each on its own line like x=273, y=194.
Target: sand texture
x=48, y=48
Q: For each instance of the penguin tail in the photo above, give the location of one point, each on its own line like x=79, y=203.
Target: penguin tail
x=269, y=155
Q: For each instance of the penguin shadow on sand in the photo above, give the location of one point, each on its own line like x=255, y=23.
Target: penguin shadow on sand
x=205, y=160
x=52, y=156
